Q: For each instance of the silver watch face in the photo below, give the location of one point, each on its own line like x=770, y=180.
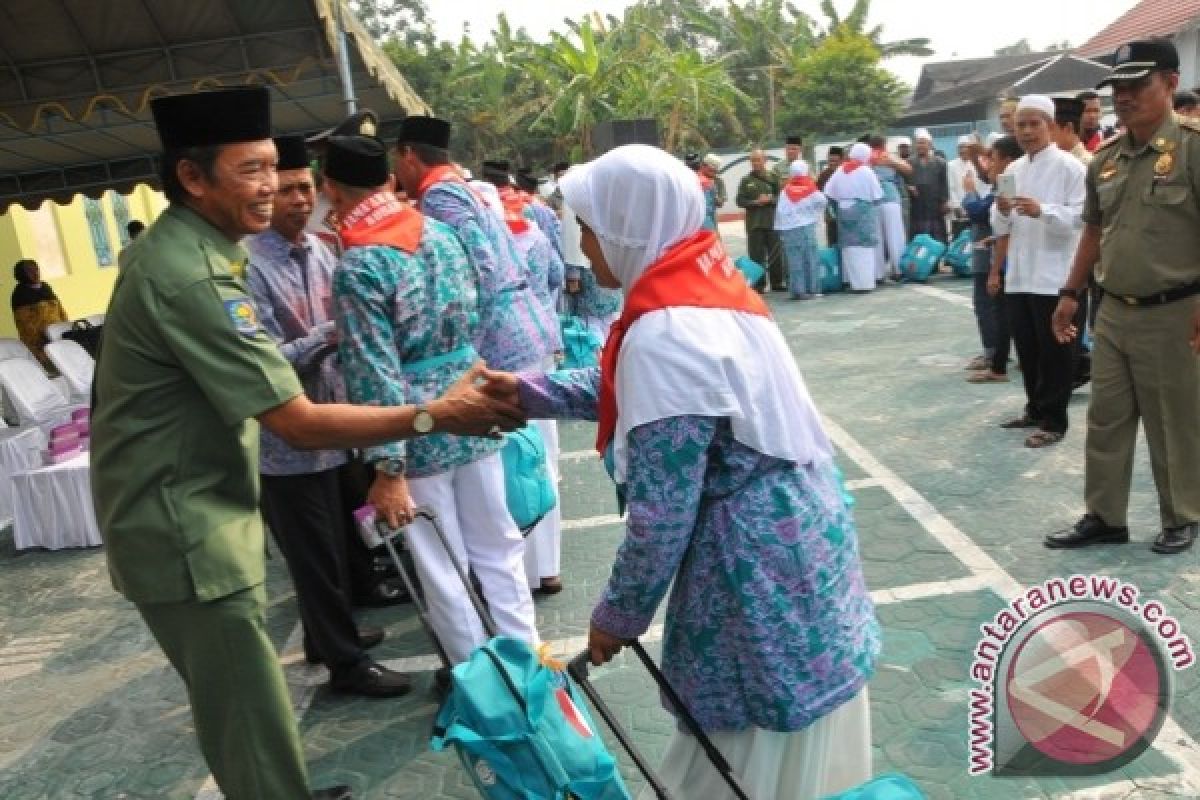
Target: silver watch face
x=423, y=422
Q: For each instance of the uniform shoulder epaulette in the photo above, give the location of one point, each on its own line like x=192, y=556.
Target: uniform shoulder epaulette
x=1110, y=141
x=1190, y=124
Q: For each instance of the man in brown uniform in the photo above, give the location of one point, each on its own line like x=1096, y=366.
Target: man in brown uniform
x=1143, y=235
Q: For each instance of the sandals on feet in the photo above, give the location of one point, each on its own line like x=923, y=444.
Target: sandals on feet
x=1043, y=439
x=978, y=362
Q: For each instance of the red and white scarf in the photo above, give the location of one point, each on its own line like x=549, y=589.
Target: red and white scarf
x=695, y=340
x=382, y=219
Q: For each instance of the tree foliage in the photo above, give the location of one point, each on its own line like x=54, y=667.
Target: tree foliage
x=713, y=73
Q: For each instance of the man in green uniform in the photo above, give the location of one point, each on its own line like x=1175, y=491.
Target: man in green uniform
x=757, y=193
x=1143, y=235
x=184, y=373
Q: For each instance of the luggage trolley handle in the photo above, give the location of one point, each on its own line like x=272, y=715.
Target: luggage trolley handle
x=578, y=668
x=485, y=616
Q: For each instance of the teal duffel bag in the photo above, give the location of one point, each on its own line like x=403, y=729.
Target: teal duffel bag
x=528, y=487
x=831, y=270
x=523, y=731
x=892, y=786
x=958, y=256
x=581, y=347
x=751, y=270
x=921, y=257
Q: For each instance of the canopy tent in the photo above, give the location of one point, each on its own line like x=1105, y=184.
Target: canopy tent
x=77, y=78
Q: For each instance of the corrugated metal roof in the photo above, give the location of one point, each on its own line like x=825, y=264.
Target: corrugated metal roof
x=77, y=78
x=1148, y=18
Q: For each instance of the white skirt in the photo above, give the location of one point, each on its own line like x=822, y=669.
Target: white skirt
x=858, y=267
x=830, y=756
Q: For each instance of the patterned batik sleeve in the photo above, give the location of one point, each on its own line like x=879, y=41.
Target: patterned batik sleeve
x=363, y=293
x=667, y=460
x=563, y=394
x=447, y=207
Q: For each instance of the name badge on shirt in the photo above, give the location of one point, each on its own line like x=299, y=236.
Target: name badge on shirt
x=241, y=314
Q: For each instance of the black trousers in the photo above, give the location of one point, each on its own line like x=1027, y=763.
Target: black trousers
x=354, y=479
x=305, y=514
x=1001, y=332
x=1047, y=366
x=764, y=247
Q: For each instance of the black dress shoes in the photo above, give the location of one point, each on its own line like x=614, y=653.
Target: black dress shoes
x=1089, y=530
x=333, y=793
x=1175, y=540
x=368, y=679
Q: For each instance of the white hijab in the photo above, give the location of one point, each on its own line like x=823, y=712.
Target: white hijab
x=639, y=201
x=687, y=361
x=859, y=184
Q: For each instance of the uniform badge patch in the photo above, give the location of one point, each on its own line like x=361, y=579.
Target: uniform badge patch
x=241, y=314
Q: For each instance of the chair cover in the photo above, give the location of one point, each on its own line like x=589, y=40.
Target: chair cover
x=52, y=507
x=74, y=363
x=33, y=396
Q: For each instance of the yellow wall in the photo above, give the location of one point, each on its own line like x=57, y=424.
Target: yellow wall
x=86, y=287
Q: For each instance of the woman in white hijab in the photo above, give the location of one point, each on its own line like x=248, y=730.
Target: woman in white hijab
x=801, y=206
x=856, y=191
x=732, y=497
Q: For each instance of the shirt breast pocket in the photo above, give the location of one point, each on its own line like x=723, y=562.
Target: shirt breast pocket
x=1168, y=206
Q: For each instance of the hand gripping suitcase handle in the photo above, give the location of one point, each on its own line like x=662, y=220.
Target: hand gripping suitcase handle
x=579, y=670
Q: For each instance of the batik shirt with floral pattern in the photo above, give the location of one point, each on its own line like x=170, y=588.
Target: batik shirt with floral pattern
x=395, y=311
x=290, y=284
x=769, y=623
x=545, y=271
x=514, y=331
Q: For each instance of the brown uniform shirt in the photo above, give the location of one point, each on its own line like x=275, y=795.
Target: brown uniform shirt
x=1146, y=200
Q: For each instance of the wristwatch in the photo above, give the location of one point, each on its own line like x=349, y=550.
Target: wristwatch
x=1074, y=294
x=392, y=467
x=423, y=421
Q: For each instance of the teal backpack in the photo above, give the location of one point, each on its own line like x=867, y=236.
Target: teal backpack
x=581, y=347
x=523, y=731
x=528, y=487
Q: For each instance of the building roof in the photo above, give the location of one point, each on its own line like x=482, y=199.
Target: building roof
x=1148, y=18
x=77, y=78
x=1048, y=74
x=944, y=75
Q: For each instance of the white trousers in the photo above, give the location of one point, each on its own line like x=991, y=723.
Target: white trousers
x=469, y=501
x=543, y=546
x=892, y=240
x=858, y=267
x=829, y=756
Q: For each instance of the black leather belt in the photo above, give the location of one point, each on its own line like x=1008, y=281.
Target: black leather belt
x=1159, y=299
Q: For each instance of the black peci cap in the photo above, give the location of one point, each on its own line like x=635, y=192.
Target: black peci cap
x=561, y=166
x=527, y=180
x=1068, y=109
x=425, y=130
x=496, y=172
x=1138, y=59
x=292, y=152
x=797, y=140
x=359, y=161
x=203, y=119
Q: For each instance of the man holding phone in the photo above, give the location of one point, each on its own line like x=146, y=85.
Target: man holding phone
x=1037, y=219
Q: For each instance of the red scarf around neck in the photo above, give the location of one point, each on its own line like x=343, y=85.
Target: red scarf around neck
x=799, y=187
x=695, y=273
x=442, y=172
x=383, y=219
x=851, y=164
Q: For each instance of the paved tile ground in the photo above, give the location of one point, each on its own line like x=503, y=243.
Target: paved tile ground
x=88, y=708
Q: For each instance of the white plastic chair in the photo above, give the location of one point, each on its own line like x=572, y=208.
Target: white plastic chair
x=76, y=365
x=55, y=330
x=36, y=400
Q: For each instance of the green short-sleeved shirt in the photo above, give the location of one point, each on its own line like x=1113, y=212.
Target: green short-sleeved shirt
x=184, y=369
x=1146, y=200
